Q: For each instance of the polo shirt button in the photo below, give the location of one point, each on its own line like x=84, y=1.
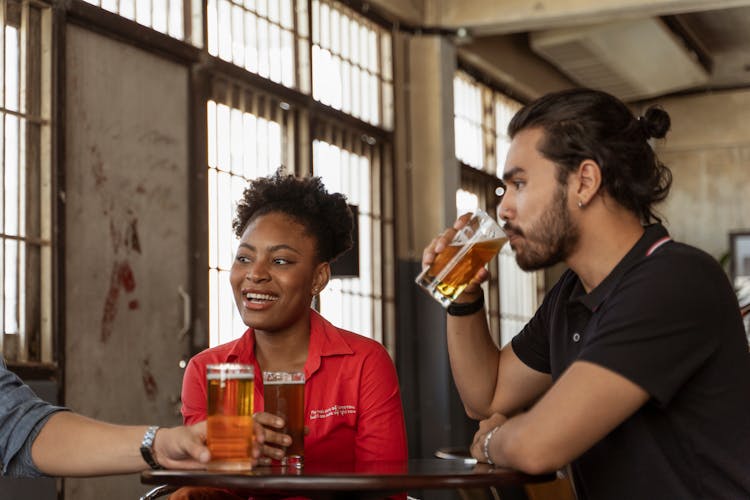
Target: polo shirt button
x=576, y=337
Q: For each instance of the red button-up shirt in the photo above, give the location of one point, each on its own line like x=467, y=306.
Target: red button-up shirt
x=352, y=399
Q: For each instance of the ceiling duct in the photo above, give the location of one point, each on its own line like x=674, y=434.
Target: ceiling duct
x=632, y=60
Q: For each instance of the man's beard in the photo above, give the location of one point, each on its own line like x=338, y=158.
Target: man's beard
x=550, y=240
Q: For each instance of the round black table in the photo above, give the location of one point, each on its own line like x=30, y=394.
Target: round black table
x=326, y=481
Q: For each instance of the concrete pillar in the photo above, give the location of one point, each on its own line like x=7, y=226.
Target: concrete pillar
x=427, y=177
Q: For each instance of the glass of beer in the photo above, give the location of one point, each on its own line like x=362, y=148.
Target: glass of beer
x=472, y=248
x=230, y=416
x=284, y=396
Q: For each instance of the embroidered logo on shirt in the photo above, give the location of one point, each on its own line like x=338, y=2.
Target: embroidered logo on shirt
x=333, y=411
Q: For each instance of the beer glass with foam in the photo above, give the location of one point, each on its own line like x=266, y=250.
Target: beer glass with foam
x=229, y=426
x=284, y=395
x=471, y=249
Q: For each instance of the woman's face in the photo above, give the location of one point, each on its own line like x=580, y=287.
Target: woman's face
x=276, y=273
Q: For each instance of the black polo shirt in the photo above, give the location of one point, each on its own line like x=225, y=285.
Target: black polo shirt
x=665, y=318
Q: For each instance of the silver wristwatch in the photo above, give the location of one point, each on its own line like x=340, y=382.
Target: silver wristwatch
x=147, y=447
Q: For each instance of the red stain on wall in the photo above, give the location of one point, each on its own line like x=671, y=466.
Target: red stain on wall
x=149, y=381
x=133, y=240
x=125, y=277
x=110, y=305
x=121, y=278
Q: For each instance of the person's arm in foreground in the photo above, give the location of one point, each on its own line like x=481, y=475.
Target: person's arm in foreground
x=488, y=380
x=74, y=445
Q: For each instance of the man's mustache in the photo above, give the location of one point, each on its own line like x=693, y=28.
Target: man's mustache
x=512, y=230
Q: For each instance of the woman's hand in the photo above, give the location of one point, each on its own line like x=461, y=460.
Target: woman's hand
x=432, y=253
x=275, y=442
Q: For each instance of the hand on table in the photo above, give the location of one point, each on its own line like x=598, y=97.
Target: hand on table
x=485, y=427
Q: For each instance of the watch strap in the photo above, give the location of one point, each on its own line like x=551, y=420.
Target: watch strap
x=466, y=309
x=147, y=447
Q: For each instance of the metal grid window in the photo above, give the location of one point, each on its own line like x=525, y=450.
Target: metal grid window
x=246, y=140
x=482, y=115
x=348, y=302
x=467, y=108
x=519, y=290
x=351, y=163
x=352, y=68
x=505, y=108
x=179, y=19
x=474, y=125
x=266, y=37
x=25, y=198
x=340, y=58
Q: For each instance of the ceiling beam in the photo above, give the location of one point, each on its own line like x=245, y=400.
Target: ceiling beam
x=410, y=12
x=487, y=17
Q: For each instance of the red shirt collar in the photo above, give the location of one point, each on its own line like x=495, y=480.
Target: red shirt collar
x=325, y=340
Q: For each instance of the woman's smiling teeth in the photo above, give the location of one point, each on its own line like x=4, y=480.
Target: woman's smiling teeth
x=260, y=297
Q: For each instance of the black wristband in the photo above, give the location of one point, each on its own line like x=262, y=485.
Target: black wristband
x=467, y=308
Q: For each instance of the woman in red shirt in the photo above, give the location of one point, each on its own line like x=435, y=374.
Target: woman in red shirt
x=290, y=230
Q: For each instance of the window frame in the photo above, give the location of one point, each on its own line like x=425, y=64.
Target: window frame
x=203, y=67
x=37, y=353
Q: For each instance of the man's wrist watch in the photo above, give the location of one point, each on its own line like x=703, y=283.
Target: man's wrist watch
x=147, y=447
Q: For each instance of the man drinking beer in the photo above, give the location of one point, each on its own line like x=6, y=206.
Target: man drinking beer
x=635, y=369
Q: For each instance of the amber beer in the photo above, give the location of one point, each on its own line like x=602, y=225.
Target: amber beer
x=284, y=395
x=230, y=416
x=471, y=249
x=456, y=279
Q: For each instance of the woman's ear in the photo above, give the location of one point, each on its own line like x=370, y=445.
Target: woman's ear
x=589, y=176
x=321, y=275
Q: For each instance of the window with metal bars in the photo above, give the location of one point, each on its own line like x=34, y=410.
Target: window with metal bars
x=350, y=71
x=482, y=115
x=25, y=197
x=352, y=63
x=180, y=19
x=351, y=163
x=248, y=134
x=266, y=37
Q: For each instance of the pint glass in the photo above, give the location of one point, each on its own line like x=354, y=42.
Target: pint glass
x=472, y=248
x=230, y=416
x=284, y=395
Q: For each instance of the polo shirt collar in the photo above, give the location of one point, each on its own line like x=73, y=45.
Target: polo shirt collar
x=653, y=237
x=325, y=340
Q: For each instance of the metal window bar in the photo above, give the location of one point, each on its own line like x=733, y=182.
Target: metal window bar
x=356, y=165
x=250, y=133
x=483, y=187
x=481, y=119
x=180, y=19
x=262, y=37
x=469, y=120
x=520, y=291
x=25, y=200
x=352, y=62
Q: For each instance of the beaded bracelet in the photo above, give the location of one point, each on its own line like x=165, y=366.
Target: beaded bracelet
x=486, y=445
x=467, y=308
